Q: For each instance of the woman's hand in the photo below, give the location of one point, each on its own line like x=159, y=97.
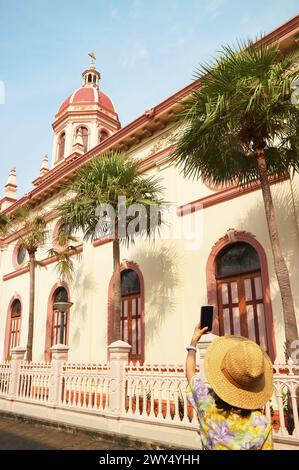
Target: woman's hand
x=191, y=356
x=198, y=332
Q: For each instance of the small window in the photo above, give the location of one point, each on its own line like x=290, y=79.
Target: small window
x=61, y=146
x=130, y=283
x=63, y=233
x=103, y=135
x=84, y=132
x=16, y=308
x=61, y=295
x=21, y=256
x=237, y=259
x=89, y=78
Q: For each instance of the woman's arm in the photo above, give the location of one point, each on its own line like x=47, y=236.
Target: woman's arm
x=191, y=356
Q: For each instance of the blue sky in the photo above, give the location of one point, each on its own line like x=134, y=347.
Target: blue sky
x=146, y=50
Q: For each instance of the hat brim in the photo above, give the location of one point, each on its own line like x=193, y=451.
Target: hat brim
x=227, y=391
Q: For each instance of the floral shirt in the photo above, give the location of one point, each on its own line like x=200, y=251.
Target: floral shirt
x=227, y=430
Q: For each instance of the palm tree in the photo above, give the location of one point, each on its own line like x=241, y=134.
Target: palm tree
x=32, y=235
x=100, y=184
x=240, y=125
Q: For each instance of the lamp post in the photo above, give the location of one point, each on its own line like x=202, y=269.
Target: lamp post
x=62, y=308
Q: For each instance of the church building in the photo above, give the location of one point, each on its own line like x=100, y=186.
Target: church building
x=163, y=283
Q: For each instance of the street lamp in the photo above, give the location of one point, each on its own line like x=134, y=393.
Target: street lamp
x=62, y=308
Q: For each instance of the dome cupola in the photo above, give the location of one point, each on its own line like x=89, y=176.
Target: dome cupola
x=91, y=76
x=87, y=114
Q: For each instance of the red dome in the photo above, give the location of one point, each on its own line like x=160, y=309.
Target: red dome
x=88, y=95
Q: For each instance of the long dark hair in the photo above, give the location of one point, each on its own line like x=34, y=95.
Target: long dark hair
x=225, y=407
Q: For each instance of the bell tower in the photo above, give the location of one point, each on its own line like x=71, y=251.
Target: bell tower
x=85, y=118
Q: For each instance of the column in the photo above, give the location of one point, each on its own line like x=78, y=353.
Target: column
x=119, y=358
x=59, y=358
x=17, y=356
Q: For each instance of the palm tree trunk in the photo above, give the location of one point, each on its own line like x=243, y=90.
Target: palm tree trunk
x=31, y=305
x=281, y=270
x=116, y=333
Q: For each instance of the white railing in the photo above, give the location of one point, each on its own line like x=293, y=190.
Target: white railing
x=157, y=393
x=5, y=371
x=133, y=393
x=85, y=386
x=283, y=406
x=34, y=381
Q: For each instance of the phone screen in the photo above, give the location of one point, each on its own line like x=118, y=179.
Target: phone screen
x=206, y=316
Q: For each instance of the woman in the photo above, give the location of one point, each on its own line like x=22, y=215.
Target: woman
x=240, y=375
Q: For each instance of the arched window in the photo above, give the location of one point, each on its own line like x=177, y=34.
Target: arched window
x=131, y=322
x=15, y=325
x=240, y=293
x=64, y=232
x=61, y=146
x=89, y=78
x=103, y=135
x=22, y=253
x=59, y=332
x=84, y=133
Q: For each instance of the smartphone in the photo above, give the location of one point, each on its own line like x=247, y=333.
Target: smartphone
x=206, y=316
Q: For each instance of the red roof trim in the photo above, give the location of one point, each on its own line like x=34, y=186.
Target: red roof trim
x=282, y=31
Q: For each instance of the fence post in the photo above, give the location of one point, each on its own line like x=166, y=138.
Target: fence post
x=59, y=358
x=119, y=357
x=203, y=345
x=17, y=356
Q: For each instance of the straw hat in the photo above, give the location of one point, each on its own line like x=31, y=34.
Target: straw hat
x=239, y=372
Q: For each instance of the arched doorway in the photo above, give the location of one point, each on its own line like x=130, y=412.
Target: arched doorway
x=60, y=319
x=57, y=328
x=238, y=287
x=132, y=310
x=13, y=328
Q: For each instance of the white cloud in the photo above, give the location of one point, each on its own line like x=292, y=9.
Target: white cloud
x=213, y=7
x=135, y=54
x=136, y=9
x=114, y=13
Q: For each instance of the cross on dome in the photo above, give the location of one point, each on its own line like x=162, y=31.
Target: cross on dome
x=91, y=76
x=92, y=58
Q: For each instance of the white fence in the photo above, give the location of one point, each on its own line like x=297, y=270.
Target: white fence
x=145, y=401
x=283, y=407
x=158, y=392
x=34, y=382
x=4, y=378
x=85, y=386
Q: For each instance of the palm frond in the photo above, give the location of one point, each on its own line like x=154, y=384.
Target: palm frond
x=243, y=103
x=100, y=184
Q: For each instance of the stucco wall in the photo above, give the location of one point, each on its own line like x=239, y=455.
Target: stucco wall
x=174, y=273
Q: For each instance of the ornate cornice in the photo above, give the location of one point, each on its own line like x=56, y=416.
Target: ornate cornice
x=223, y=196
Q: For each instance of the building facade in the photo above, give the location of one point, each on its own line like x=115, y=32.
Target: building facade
x=164, y=283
